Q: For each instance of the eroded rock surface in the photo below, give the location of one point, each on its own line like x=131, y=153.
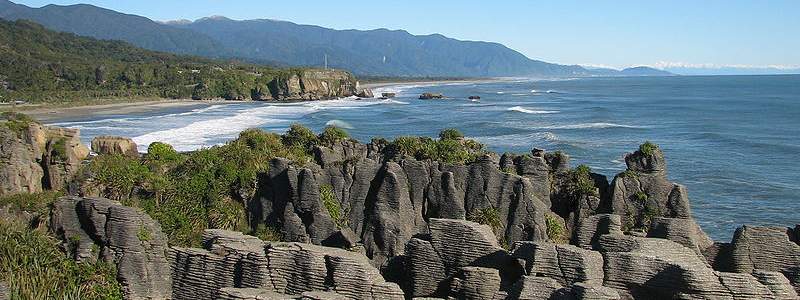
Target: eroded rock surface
x=97, y=228
x=115, y=145
x=34, y=157
x=237, y=266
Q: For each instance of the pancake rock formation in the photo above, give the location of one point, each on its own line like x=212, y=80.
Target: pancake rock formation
x=366, y=221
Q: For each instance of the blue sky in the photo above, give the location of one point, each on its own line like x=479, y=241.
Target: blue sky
x=709, y=33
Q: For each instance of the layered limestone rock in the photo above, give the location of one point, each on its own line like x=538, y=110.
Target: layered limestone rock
x=458, y=254
x=773, y=249
x=96, y=228
x=384, y=200
x=236, y=266
x=34, y=157
x=313, y=85
x=115, y=145
x=565, y=263
x=649, y=268
x=648, y=202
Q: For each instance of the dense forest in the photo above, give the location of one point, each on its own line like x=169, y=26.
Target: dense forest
x=39, y=65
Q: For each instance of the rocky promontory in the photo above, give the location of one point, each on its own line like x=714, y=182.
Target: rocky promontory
x=333, y=218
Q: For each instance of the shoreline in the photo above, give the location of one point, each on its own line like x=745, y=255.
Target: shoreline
x=56, y=113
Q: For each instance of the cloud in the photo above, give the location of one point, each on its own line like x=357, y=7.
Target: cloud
x=672, y=65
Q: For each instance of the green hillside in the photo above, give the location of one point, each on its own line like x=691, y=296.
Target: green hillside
x=39, y=65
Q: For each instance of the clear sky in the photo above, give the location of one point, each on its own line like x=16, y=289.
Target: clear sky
x=598, y=32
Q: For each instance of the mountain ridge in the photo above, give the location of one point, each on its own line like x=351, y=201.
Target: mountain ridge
x=376, y=52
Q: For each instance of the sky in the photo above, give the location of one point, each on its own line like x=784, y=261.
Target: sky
x=665, y=34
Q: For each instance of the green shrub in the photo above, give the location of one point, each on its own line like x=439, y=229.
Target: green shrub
x=582, y=182
x=450, y=134
x=641, y=196
x=143, y=235
x=17, y=122
x=266, y=233
x=487, y=216
x=648, y=148
x=164, y=152
x=59, y=150
x=38, y=203
x=334, y=208
x=33, y=267
x=332, y=135
x=630, y=174
x=300, y=136
x=118, y=174
x=555, y=230
x=509, y=170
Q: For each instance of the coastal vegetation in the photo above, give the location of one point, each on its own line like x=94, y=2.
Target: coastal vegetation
x=42, y=66
x=33, y=265
x=209, y=188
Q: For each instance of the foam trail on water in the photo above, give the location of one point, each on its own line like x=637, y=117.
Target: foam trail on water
x=531, y=111
x=591, y=125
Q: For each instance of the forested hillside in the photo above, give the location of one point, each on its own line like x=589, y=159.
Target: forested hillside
x=40, y=65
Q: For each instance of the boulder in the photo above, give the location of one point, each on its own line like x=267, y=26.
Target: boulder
x=565, y=263
x=771, y=249
x=430, y=96
x=475, y=283
x=365, y=93
x=648, y=268
x=535, y=288
x=115, y=145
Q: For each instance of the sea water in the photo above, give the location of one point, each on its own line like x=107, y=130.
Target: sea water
x=734, y=141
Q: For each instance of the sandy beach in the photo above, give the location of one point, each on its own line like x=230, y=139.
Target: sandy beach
x=52, y=114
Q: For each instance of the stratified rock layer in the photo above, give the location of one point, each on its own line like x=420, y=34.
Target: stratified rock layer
x=97, y=228
x=235, y=265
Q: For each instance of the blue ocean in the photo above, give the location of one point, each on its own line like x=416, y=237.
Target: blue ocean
x=734, y=141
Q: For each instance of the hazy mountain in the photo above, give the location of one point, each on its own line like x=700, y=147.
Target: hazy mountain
x=372, y=52
x=92, y=21
x=644, y=71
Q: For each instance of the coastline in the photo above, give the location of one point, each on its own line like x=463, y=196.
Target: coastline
x=54, y=113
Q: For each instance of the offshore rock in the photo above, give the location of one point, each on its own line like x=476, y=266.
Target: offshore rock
x=115, y=145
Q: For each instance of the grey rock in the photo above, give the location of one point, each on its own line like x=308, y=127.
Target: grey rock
x=683, y=231
x=565, y=263
x=425, y=270
x=767, y=249
x=475, y=283
x=126, y=237
x=389, y=209
x=593, y=227
x=534, y=288
x=658, y=268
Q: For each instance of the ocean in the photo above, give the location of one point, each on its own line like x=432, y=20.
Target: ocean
x=734, y=141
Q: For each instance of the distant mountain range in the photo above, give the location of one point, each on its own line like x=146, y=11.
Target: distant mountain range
x=379, y=52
